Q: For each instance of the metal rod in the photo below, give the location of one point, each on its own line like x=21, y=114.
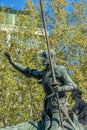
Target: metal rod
x=70, y=121
x=46, y=36
x=49, y=54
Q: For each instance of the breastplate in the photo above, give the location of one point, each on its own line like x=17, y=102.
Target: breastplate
x=47, y=81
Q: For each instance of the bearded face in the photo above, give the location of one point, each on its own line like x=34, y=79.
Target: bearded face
x=45, y=57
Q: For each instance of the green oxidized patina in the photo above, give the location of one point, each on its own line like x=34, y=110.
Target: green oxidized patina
x=80, y=106
x=51, y=119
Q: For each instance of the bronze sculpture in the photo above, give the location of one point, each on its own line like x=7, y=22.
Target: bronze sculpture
x=51, y=111
x=80, y=106
x=56, y=82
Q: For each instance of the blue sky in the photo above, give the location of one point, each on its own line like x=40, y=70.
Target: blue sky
x=19, y=4
x=16, y=4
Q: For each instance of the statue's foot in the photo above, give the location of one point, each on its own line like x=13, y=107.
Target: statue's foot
x=56, y=128
x=59, y=128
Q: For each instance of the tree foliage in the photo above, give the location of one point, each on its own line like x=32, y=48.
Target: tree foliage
x=69, y=38
x=22, y=97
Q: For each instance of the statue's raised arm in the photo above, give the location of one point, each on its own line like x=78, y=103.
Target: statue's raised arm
x=23, y=69
x=51, y=115
x=17, y=66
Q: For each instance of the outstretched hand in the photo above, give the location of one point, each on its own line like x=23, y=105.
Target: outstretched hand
x=8, y=56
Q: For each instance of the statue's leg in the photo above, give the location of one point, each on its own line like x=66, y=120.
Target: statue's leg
x=45, y=121
x=55, y=121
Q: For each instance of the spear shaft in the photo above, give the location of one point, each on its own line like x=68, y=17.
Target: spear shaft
x=54, y=83
x=47, y=43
